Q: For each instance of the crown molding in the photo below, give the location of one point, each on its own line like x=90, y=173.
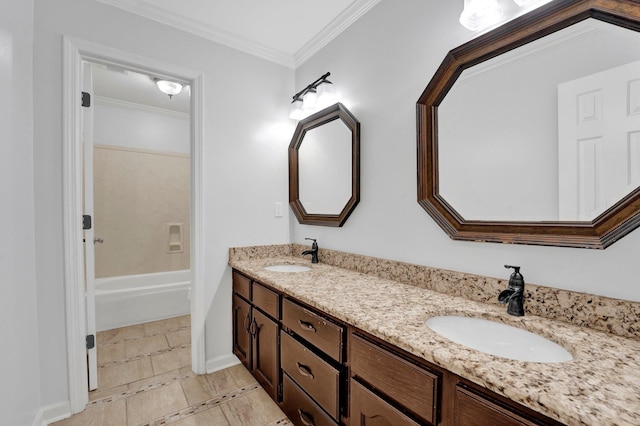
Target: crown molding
x=103, y=100
x=192, y=26
x=331, y=31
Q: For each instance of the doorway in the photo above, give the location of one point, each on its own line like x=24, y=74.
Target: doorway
x=76, y=53
x=137, y=189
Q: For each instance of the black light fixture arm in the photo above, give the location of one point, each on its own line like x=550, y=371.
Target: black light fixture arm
x=311, y=87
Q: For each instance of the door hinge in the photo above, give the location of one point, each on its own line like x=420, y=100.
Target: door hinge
x=86, y=221
x=280, y=392
x=86, y=99
x=91, y=341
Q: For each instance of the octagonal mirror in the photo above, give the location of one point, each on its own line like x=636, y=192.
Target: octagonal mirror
x=531, y=133
x=324, y=167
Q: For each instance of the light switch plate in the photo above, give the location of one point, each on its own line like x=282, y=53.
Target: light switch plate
x=277, y=209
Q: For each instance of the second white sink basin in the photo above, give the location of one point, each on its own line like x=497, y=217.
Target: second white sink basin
x=498, y=339
x=287, y=268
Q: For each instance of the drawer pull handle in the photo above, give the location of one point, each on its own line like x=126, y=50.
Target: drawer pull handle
x=307, y=326
x=305, y=418
x=304, y=370
x=247, y=323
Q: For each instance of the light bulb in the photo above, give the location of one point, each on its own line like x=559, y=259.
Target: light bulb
x=480, y=14
x=326, y=95
x=295, y=111
x=309, y=101
x=170, y=88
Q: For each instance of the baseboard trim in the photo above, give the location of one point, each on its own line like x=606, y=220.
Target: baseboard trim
x=52, y=413
x=221, y=362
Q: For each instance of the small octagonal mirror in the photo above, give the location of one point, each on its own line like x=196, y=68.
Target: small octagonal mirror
x=324, y=167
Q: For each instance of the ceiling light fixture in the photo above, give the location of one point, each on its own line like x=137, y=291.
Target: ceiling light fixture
x=478, y=15
x=313, y=98
x=167, y=87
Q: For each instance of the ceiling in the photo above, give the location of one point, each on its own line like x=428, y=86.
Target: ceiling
x=287, y=32
x=283, y=31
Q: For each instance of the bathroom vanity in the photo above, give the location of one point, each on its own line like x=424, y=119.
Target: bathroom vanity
x=353, y=349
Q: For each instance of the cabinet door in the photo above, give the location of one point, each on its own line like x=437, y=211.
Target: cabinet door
x=265, y=366
x=473, y=408
x=241, y=335
x=367, y=409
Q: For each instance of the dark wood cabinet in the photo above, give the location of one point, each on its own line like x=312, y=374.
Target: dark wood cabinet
x=312, y=352
x=473, y=405
x=368, y=409
x=265, y=366
x=323, y=376
x=256, y=331
x=241, y=330
x=397, y=383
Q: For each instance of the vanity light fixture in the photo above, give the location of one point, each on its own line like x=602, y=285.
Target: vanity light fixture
x=478, y=15
x=313, y=98
x=167, y=87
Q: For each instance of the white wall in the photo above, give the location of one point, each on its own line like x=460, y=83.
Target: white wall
x=246, y=133
x=380, y=66
x=134, y=127
x=19, y=366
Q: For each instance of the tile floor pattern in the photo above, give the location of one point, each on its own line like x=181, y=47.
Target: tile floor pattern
x=145, y=378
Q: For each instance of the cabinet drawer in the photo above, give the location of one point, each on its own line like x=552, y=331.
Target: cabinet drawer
x=266, y=300
x=368, y=409
x=473, y=408
x=315, y=329
x=301, y=409
x=407, y=384
x=319, y=379
x=242, y=285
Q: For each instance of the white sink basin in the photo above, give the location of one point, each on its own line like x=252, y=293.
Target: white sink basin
x=287, y=268
x=498, y=339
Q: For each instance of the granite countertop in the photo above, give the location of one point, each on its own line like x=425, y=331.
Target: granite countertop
x=600, y=386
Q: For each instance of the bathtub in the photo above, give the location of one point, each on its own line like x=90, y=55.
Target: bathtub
x=136, y=299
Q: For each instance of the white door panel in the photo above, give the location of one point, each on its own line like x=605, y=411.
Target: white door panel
x=89, y=256
x=598, y=141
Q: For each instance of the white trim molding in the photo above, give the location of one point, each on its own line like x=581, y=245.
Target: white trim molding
x=221, y=362
x=52, y=413
x=118, y=103
x=75, y=52
x=331, y=31
x=235, y=41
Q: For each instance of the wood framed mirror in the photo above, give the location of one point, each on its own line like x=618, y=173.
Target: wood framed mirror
x=324, y=167
x=492, y=155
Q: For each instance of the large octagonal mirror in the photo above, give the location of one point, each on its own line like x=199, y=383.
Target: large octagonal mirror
x=531, y=133
x=324, y=167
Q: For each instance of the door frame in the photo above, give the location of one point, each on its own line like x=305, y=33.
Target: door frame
x=75, y=51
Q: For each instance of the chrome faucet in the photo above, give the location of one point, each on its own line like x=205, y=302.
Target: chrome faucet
x=514, y=294
x=313, y=251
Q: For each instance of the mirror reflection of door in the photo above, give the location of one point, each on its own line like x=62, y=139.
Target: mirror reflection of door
x=598, y=141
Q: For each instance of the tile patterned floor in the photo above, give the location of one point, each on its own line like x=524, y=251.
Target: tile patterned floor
x=145, y=378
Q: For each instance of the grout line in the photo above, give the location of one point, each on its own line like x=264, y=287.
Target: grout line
x=135, y=358
x=131, y=392
x=282, y=422
x=203, y=406
x=131, y=339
